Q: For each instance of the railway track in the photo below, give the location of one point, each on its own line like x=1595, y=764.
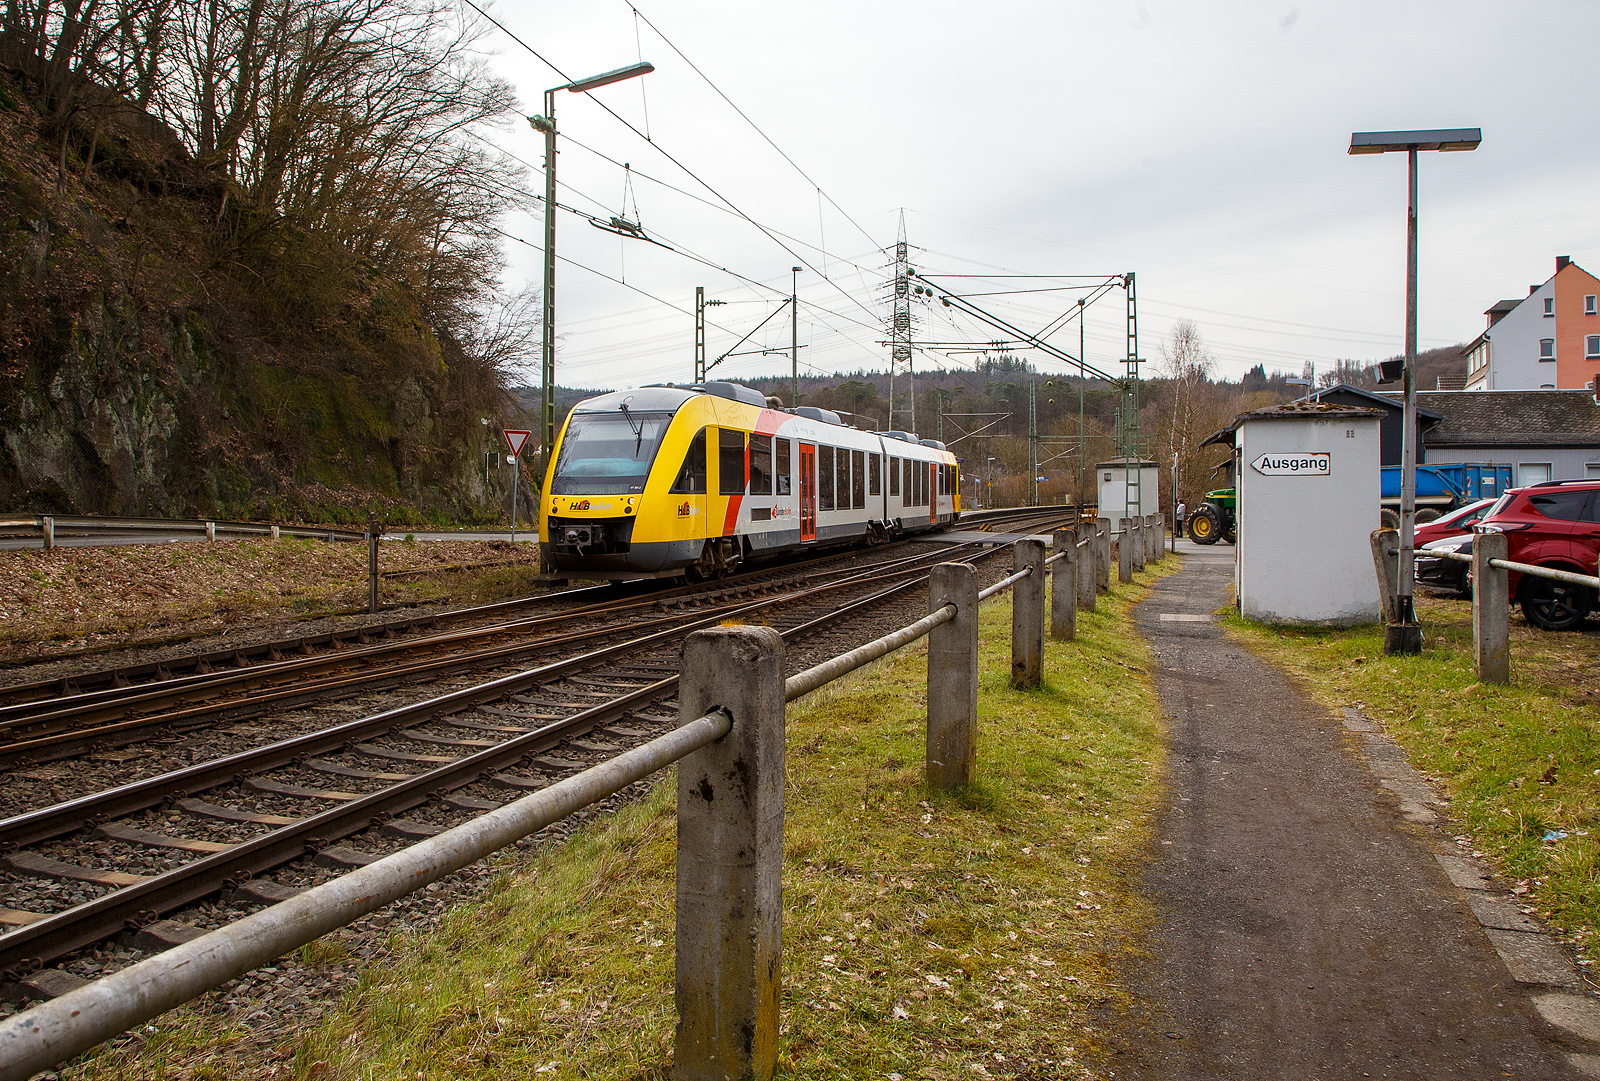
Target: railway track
x=303, y=808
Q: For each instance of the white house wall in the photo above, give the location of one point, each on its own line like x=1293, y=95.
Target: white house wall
x=1514, y=362
x=1304, y=551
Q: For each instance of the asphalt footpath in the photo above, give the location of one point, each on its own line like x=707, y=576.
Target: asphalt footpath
x=1308, y=927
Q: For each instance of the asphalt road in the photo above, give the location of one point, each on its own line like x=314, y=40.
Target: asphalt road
x=1306, y=929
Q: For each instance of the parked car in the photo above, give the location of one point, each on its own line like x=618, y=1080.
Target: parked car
x=1555, y=524
x=1451, y=533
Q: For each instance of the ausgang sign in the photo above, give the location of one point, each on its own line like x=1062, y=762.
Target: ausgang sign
x=1304, y=464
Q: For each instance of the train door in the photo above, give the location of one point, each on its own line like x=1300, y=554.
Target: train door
x=808, y=491
x=933, y=494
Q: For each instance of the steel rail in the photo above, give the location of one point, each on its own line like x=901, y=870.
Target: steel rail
x=59, y=819
x=66, y=724
x=63, y=1027
x=26, y=948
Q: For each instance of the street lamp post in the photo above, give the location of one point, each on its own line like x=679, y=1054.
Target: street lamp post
x=546, y=125
x=1404, y=635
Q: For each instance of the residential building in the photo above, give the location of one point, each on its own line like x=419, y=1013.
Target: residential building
x=1542, y=435
x=1548, y=340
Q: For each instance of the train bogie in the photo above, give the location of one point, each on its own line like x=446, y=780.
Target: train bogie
x=675, y=480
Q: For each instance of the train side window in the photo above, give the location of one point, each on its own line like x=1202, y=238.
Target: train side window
x=858, y=478
x=730, y=461
x=907, y=487
x=875, y=475
x=894, y=476
x=692, y=477
x=760, y=465
x=824, y=478
x=781, y=451
x=842, y=472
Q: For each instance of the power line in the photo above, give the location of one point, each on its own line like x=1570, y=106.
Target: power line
x=752, y=123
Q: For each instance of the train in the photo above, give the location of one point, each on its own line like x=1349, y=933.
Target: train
x=667, y=481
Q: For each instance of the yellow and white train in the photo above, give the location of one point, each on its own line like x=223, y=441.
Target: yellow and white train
x=662, y=481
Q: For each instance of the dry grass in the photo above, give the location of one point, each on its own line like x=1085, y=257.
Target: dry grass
x=75, y=598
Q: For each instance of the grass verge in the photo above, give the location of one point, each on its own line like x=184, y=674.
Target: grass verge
x=926, y=935
x=1520, y=763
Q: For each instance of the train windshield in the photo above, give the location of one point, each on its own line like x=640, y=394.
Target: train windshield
x=608, y=453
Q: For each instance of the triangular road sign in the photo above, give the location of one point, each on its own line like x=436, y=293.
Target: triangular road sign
x=516, y=439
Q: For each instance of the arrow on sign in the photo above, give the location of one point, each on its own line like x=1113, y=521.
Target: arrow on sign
x=516, y=439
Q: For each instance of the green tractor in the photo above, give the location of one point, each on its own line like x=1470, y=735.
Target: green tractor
x=1214, y=518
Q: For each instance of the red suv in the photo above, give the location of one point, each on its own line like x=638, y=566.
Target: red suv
x=1555, y=524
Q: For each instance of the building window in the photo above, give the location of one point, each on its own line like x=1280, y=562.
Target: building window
x=1549, y=307
x=1591, y=347
x=1532, y=473
x=1589, y=304
x=1547, y=349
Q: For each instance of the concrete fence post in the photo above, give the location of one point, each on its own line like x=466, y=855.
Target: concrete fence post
x=1027, y=615
x=1386, y=562
x=1124, y=552
x=1102, y=555
x=1087, y=570
x=1141, y=542
x=730, y=859
x=211, y=531
x=1158, y=538
x=47, y=525
x=1491, y=610
x=1064, y=586
x=274, y=533
x=952, y=754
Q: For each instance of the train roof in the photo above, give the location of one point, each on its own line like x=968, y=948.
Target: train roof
x=642, y=399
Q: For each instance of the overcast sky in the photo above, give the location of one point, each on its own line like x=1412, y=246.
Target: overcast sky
x=1200, y=145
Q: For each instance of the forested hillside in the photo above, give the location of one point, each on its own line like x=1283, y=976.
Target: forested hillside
x=246, y=259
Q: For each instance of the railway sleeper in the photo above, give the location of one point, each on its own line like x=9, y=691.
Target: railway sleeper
x=322, y=765
x=344, y=858
x=31, y=863
x=427, y=737
x=262, y=890
x=263, y=784
x=409, y=829
x=163, y=935
x=479, y=726
x=374, y=751
x=152, y=839
x=45, y=984
x=202, y=809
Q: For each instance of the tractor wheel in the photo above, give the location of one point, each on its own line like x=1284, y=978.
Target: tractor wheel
x=1205, y=525
x=1230, y=536
x=1427, y=514
x=1555, y=606
x=1389, y=519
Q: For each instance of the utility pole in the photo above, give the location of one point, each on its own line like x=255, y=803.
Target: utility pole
x=1083, y=449
x=700, y=306
x=1033, y=443
x=794, y=337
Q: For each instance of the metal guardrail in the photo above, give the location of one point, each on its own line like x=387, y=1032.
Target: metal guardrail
x=1553, y=573
x=64, y=1027
x=50, y=526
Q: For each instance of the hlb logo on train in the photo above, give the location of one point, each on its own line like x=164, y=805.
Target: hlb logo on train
x=578, y=504
x=683, y=509
x=1312, y=464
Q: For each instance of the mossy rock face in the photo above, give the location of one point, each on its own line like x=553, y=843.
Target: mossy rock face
x=160, y=357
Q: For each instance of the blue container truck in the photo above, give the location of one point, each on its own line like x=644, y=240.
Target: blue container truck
x=1446, y=487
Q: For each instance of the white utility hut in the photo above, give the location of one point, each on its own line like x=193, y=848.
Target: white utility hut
x=1111, y=478
x=1309, y=478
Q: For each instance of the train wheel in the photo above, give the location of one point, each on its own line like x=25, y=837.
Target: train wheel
x=705, y=568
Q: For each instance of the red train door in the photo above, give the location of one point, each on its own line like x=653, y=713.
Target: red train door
x=808, y=491
x=933, y=494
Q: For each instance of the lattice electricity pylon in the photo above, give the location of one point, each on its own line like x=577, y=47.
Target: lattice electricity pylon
x=1130, y=447
x=900, y=328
